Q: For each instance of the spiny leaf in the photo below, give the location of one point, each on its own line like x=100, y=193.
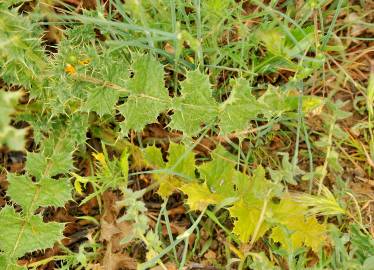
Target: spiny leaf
x=55, y=158
x=21, y=54
x=20, y=235
x=196, y=106
x=148, y=95
x=101, y=100
x=6, y=263
x=239, y=108
x=30, y=195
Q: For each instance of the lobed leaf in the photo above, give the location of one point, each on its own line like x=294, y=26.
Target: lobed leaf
x=54, y=158
x=148, y=96
x=20, y=236
x=239, y=108
x=30, y=195
x=195, y=106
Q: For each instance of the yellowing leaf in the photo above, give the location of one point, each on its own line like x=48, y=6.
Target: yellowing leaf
x=258, y=186
x=180, y=167
x=124, y=164
x=247, y=215
x=101, y=159
x=199, y=196
x=295, y=229
x=78, y=182
x=168, y=184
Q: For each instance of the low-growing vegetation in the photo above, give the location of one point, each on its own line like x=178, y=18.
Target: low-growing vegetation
x=197, y=134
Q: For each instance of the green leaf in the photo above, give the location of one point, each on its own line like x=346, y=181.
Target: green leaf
x=362, y=244
x=10, y=136
x=148, y=95
x=220, y=173
x=259, y=187
x=239, y=108
x=181, y=167
x=55, y=158
x=30, y=195
x=287, y=172
x=78, y=126
x=101, y=100
x=181, y=160
x=6, y=263
x=20, y=235
x=21, y=55
x=196, y=106
x=153, y=157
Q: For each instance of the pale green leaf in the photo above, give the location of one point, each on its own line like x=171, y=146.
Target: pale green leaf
x=54, y=158
x=30, y=195
x=10, y=136
x=220, y=173
x=239, y=108
x=20, y=236
x=196, y=106
x=148, y=95
x=181, y=161
x=101, y=100
x=261, y=262
x=153, y=156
